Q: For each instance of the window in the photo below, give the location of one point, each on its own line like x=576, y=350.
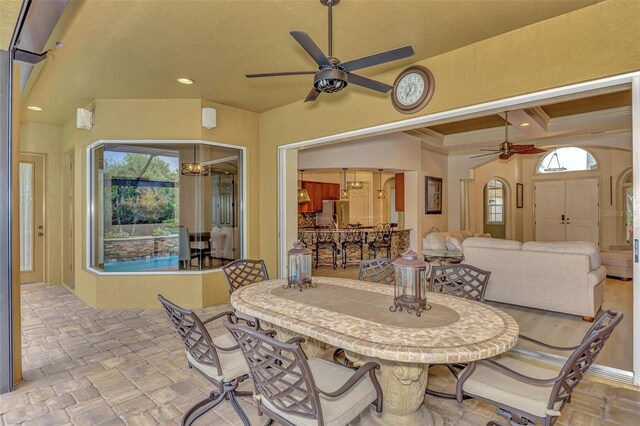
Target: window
x=494, y=210
x=165, y=206
x=567, y=159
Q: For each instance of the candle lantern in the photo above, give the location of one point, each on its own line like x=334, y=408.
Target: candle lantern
x=299, y=266
x=410, y=289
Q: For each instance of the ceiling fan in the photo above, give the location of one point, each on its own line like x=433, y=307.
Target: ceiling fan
x=508, y=149
x=333, y=75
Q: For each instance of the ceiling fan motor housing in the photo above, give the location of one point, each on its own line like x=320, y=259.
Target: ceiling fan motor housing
x=330, y=80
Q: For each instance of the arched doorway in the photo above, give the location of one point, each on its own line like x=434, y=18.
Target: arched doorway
x=495, y=208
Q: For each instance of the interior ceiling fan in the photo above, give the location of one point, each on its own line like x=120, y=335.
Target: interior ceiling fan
x=508, y=149
x=333, y=75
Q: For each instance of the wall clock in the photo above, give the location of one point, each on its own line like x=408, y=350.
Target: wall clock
x=412, y=89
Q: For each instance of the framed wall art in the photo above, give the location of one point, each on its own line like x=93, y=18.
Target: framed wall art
x=433, y=195
x=519, y=195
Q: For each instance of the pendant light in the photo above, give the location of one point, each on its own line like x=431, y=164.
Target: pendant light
x=381, y=192
x=303, y=194
x=194, y=168
x=344, y=192
x=355, y=183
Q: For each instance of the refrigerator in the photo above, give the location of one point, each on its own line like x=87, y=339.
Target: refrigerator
x=334, y=213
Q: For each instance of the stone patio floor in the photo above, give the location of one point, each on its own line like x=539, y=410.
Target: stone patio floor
x=85, y=366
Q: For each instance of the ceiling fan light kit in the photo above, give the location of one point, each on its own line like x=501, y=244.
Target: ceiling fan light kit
x=332, y=75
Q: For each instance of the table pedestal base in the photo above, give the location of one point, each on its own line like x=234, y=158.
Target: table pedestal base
x=422, y=417
x=403, y=386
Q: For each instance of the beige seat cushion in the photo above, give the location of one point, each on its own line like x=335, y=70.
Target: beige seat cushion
x=622, y=259
x=233, y=363
x=491, y=384
x=493, y=243
x=435, y=241
x=575, y=247
x=336, y=411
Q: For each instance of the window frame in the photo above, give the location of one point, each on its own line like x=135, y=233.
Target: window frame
x=89, y=181
x=546, y=155
x=487, y=212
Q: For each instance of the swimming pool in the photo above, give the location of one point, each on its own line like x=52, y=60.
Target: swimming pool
x=144, y=265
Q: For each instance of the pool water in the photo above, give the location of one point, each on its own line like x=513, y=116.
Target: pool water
x=144, y=265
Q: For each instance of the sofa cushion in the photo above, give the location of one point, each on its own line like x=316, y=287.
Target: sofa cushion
x=574, y=247
x=453, y=244
x=493, y=243
x=467, y=234
x=435, y=241
x=621, y=259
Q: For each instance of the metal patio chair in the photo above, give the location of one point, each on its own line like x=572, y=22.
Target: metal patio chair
x=353, y=238
x=526, y=393
x=325, y=240
x=458, y=280
x=379, y=270
x=217, y=358
x=294, y=390
x=243, y=272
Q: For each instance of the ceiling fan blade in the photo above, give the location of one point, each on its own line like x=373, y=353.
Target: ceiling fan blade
x=278, y=74
x=484, y=155
x=531, y=151
x=493, y=150
x=312, y=49
x=378, y=58
x=313, y=95
x=506, y=155
x=368, y=83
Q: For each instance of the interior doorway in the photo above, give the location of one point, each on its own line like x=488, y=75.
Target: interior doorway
x=32, y=224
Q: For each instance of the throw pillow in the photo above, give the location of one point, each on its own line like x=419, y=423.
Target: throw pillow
x=487, y=235
x=453, y=244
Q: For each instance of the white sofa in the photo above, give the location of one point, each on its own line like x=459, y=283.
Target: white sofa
x=437, y=241
x=562, y=277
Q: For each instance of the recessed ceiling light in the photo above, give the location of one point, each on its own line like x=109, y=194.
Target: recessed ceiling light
x=185, y=80
x=34, y=108
x=525, y=124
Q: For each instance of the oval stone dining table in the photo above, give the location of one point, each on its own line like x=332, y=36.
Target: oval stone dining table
x=355, y=315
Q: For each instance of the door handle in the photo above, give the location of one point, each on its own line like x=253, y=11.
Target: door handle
x=40, y=234
x=562, y=219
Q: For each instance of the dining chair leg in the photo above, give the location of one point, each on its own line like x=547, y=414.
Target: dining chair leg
x=239, y=410
x=201, y=407
x=317, y=256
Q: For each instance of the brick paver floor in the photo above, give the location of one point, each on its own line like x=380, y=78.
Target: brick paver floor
x=85, y=366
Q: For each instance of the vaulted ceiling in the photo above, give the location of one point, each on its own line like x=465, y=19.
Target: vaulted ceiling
x=137, y=49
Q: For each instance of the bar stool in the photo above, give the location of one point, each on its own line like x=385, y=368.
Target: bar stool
x=352, y=237
x=325, y=241
x=381, y=240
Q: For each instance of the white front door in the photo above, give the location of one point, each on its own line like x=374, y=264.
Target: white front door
x=550, y=211
x=567, y=210
x=582, y=210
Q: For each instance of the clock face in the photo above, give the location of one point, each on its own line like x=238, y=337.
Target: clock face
x=410, y=88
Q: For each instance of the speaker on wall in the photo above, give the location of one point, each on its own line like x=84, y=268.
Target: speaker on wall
x=208, y=118
x=84, y=119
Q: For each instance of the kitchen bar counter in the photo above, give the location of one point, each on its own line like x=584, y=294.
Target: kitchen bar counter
x=400, y=239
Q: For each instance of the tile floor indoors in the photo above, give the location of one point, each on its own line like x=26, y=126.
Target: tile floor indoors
x=85, y=366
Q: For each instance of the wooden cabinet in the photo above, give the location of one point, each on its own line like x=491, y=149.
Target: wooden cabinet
x=399, y=192
x=318, y=191
x=330, y=191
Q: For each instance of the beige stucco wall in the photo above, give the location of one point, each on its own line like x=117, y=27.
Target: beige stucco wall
x=590, y=43
x=147, y=120
x=43, y=139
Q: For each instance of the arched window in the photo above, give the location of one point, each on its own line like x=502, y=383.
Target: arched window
x=627, y=196
x=567, y=159
x=494, y=209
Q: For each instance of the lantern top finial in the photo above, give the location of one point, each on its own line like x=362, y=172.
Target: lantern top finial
x=409, y=259
x=299, y=248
